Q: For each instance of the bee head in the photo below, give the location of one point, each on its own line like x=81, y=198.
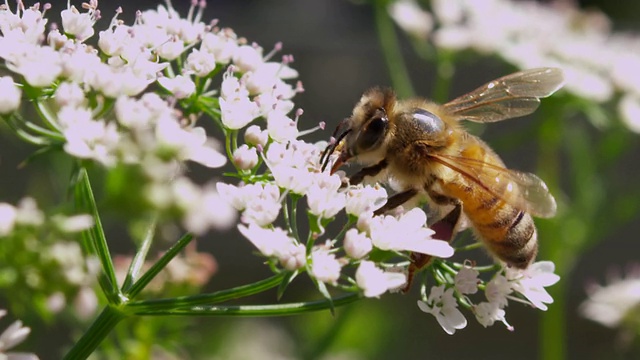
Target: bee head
x=364, y=133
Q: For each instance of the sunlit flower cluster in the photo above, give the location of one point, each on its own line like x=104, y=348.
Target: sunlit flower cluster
x=526, y=286
x=131, y=105
x=597, y=62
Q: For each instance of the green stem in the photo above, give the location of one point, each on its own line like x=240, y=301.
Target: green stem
x=391, y=50
x=257, y=310
x=206, y=299
x=553, y=322
x=98, y=331
x=294, y=216
x=444, y=73
x=473, y=246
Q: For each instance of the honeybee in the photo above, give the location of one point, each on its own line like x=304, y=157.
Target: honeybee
x=423, y=148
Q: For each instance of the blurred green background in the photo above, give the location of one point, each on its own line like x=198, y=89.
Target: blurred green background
x=337, y=53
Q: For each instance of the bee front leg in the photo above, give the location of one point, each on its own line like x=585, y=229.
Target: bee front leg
x=396, y=200
x=374, y=170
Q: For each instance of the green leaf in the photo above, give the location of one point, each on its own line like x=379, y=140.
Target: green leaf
x=288, y=279
x=139, y=285
x=322, y=287
x=94, y=238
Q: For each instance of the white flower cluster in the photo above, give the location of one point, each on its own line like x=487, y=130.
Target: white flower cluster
x=12, y=336
x=60, y=259
x=525, y=286
x=94, y=100
x=597, y=63
x=615, y=305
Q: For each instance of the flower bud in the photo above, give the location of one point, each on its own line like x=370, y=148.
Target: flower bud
x=245, y=158
x=10, y=99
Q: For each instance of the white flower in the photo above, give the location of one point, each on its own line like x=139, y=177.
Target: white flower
x=85, y=303
x=364, y=199
x=245, y=157
x=78, y=24
x=259, y=203
x=202, y=63
x=188, y=144
x=113, y=41
x=444, y=307
x=222, y=45
x=70, y=94
x=269, y=242
x=27, y=212
x=324, y=266
x=12, y=336
x=238, y=112
x=203, y=207
x=375, y=282
x=30, y=64
x=497, y=290
x=73, y=224
x=281, y=128
x=629, y=110
x=132, y=113
x=10, y=99
x=411, y=18
x=8, y=215
x=247, y=58
x=466, y=280
x=296, y=180
x=180, y=86
x=356, y=244
x=407, y=233
x=488, y=313
x=171, y=49
x=532, y=281
x=275, y=243
x=87, y=138
x=611, y=304
x=323, y=197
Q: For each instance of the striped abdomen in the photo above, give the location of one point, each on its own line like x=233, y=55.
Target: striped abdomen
x=507, y=231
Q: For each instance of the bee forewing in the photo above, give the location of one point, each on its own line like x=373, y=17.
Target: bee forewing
x=522, y=190
x=507, y=97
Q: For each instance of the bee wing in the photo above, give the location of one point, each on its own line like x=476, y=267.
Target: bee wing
x=510, y=96
x=530, y=192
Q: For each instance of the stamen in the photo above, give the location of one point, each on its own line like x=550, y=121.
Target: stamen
x=201, y=5
x=276, y=48
x=320, y=126
x=194, y=3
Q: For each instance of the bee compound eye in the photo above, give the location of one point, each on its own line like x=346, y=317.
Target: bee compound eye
x=373, y=133
x=427, y=121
